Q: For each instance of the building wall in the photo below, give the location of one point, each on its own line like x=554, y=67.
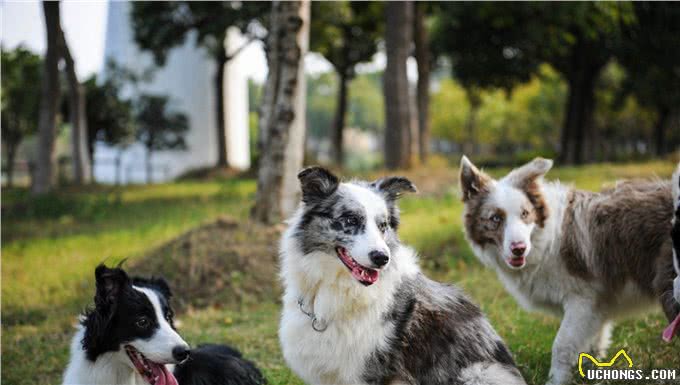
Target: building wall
x=187, y=78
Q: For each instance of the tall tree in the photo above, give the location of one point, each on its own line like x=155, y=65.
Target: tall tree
x=346, y=34
x=161, y=26
x=159, y=128
x=44, y=177
x=77, y=115
x=423, y=58
x=21, y=78
x=651, y=55
x=398, y=39
x=497, y=44
x=109, y=117
x=282, y=115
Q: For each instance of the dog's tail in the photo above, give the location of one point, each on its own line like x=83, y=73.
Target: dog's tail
x=217, y=365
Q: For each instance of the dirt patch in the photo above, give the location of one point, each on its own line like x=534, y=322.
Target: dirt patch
x=223, y=263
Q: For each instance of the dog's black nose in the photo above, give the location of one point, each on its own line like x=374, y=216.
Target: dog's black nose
x=180, y=353
x=379, y=258
x=518, y=248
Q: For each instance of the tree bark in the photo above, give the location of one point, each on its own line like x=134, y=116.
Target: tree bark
x=149, y=171
x=472, y=147
x=282, y=124
x=79, y=142
x=11, y=157
x=663, y=113
x=586, y=65
x=339, y=120
x=398, y=22
x=44, y=177
x=422, y=51
x=219, y=109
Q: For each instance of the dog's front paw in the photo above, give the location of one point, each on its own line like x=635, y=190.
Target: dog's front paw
x=558, y=377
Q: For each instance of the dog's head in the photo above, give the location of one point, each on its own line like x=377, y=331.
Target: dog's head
x=132, y=316
x=349, y=226
x=500, y=215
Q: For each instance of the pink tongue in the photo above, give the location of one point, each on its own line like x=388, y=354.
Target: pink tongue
x=671, y=329
x=371, y=275
x=164, y=376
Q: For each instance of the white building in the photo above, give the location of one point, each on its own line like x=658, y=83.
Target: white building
x=187, y=78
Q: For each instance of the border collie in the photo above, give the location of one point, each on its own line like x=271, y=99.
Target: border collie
x=129, y=338
x=674, y=326
x=357, y=309
x=587, y=257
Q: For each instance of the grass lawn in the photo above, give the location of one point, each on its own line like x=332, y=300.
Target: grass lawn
x=50, y=247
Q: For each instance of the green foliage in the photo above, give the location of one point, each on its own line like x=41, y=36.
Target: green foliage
x=320, y=104
x=526, y=119
x=158, y=127
x=161, y=26
x=365, y=105
x=345, y=32
x=21, y=80
x=109, y=117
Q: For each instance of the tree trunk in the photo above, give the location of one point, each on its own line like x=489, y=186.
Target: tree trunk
x=660, y=130
x=398, y=20
x=44, y=176
x=585, y=68
x=118, y=161
x=282, y=119
x=339, y=121
x=219, y=109
x=471, y=146
x=11, y=157
x=79, y=151
x=423, y=88
x=149, y=171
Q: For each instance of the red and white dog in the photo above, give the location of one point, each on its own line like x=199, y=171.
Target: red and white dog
x=588, y=257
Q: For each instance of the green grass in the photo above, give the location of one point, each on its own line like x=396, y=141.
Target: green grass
x=51, y=245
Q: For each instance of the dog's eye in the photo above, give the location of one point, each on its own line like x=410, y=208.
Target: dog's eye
x=350, y=221
x=142, y=322
x=496, y=218
x=525, y=213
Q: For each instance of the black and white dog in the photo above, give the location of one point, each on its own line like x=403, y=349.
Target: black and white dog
x=357, y=309
x=674, y=326
x=129, y=338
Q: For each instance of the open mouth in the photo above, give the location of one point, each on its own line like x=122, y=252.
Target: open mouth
x=672, y=329
x=363, y=274
x=516, y=261
x=152, y=372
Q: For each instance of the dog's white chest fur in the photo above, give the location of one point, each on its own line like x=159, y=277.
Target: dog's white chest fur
x=108, y=369
x=354, y=315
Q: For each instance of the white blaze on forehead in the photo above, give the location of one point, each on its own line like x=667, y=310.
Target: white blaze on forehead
x=373, y=203
x=508, y=198
x=372, y=239
x=159, y=347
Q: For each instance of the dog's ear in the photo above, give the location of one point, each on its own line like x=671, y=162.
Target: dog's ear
x=317, y=183
x=110, y=283
x=394, y=187
x=472, y=181
x=162, y=285
x=526, y=175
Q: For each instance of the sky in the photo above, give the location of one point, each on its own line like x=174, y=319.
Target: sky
x=84, y=23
